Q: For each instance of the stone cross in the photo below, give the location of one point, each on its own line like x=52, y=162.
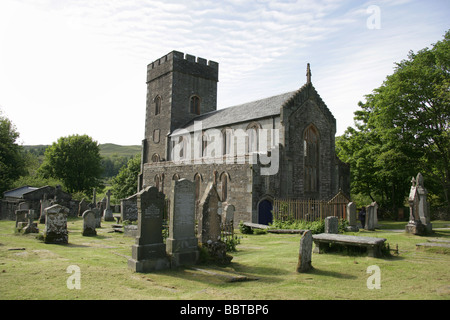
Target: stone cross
x=305, y=252
x=149, y=251
x=182, y=244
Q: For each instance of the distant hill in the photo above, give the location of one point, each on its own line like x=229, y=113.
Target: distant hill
x=110, y=149
x=106, y=150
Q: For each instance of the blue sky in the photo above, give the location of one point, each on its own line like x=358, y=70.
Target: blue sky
x=79, y=66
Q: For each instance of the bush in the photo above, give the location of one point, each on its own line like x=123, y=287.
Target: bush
x=245, y=229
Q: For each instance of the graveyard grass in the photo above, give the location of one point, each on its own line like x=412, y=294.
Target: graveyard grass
x=35, y=270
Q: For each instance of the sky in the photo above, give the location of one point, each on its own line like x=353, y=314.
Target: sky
x=79, y=66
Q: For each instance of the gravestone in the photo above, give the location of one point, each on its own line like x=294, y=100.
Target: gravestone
x=370, y=218
x=107, y=213
x=149, y=251
x=82, y=207
x=182, y=244
x=56, y=225
x=352, y=218
x=89, y=223
x=210, y=209
x=98, y=217
x=228, y=214
x=331, y=225
x=45, y=203
x=415, y=225
x=209, y=215
x=128, y=208
x=305, y=252
x=375, y=215
x=31, y=226
x=424, y=214
x=21, y=219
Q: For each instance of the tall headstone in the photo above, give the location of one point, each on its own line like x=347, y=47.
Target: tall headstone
x=424, y=214
x=369, y=218
x=45, y=203
x=149, y=251
x=305, y=252
x=82, y=207
x=415, y=225
x=352, y=217
x=89, y=223
x=331, y=224
x=56, y=225
x=228, y=213
x=209, y=223
x=98, y=217
x=182, y=244
x=107, y=213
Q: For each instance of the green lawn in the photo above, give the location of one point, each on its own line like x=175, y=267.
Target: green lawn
x=268, y=260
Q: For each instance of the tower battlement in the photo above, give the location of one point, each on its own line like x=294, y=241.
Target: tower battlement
x=185, y=63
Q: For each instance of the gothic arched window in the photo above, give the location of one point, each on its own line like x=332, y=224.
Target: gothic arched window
x=311, y=156
x=157, y=105
x=252, y=137
x=195, y=105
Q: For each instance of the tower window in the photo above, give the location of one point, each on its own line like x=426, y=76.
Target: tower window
x=195, y=105
x=157, y=105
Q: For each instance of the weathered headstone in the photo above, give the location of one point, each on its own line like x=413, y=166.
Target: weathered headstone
x=98, y=217
x=331, y=225
x=31, y=226
x=182, y=244
x=416, y=205
x=228, y=213
x=352, y=218
x=149, y=252
x=107, y=213
x=56, y=225
x=210, y=209
x=45, y=203
x=128, y=208
x=21, y=219
x=89, y=223
x=369, y=218
x=305, y=252
x=82, y=207
x=424, y=214
x=209, y=223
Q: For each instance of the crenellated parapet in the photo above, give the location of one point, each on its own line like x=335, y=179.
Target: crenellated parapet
x=176, y=61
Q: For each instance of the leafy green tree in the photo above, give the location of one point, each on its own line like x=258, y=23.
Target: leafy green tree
x=76, y=161
x=403, y=128
x=12, y=163
x=125, y=183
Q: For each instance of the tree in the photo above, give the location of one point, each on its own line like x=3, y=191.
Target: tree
x=76, y=161
x=12, y=163
x=125, y=183
x=403, y=128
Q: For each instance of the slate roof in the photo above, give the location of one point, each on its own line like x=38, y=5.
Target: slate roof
x=241, y=113
x=18, y=192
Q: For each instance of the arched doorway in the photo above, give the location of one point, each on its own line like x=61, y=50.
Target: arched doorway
x=265, y=208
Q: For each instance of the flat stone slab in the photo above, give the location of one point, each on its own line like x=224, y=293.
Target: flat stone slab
x=373, y=245
x=434, y=244
x=256, y=225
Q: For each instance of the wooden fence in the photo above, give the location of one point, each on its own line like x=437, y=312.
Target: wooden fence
x=310, y=210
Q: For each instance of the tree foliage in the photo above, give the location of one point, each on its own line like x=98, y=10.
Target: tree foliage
x=403, y=128
x=76, y=161
x=125, y=183
x=12, y=163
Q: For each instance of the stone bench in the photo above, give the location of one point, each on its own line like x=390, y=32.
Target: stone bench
x=373, y=245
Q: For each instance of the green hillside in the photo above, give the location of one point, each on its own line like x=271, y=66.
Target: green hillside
x=110, y=149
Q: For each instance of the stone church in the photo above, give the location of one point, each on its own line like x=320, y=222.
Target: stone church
x=278, y=147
